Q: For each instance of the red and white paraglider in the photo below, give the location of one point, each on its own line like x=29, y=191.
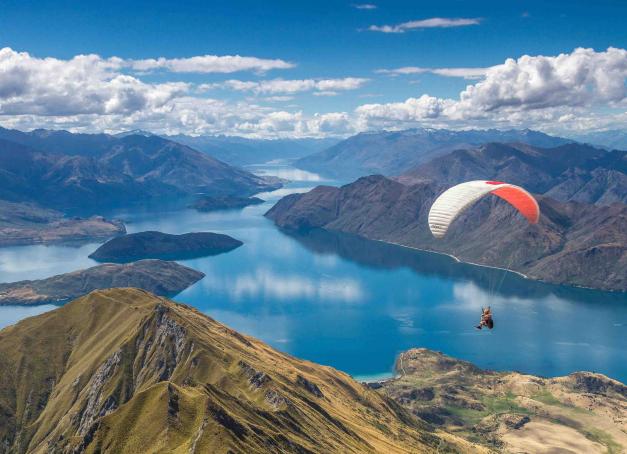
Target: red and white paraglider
x=452, y=202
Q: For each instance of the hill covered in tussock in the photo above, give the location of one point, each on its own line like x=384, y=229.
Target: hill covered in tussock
x=122, y=370
x=581, y=413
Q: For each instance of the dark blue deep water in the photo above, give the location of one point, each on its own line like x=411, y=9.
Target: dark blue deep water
x=354, y=304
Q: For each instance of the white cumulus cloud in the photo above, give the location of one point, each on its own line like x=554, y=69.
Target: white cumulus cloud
x=84, y=84
x=528, y=89
x=582, y=77
x=412, y=109
x=581, y=90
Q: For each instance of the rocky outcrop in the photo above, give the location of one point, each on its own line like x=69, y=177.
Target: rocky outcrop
x=124, y=371
x=225, y=203
x=22, y=224
x=164, y=246
x=574, y=243
x=511, y=412
x=159, y=277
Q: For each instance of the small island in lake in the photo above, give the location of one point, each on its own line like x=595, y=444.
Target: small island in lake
x=209, y=203
x=156, y=276
x=165, y=246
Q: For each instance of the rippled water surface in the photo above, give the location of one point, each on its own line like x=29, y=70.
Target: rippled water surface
x=355, y=304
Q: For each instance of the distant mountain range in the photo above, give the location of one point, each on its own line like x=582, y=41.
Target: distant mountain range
x=392, y=153
x=240, y=151
x=66, y=171
x=61, y=142
x=612, y=139
x=573, y=171
x=574, y=243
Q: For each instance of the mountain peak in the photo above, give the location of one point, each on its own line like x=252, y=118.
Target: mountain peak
x=177, y=378
x=134, y=132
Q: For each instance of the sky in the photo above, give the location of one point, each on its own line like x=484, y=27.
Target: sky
x=273, y=69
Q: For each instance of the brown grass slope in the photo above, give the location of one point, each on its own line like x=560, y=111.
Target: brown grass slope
x=124, y=371
x=580, y=413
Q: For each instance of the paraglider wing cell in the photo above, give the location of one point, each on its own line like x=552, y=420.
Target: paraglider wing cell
x=452, y=202
x=521, y=200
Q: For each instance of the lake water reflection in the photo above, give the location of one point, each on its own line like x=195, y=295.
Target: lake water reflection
x=355, y=304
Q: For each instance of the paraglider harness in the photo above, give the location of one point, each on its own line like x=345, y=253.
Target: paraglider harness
x=486, y=318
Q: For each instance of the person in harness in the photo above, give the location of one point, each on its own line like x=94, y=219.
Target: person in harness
x=486, y=318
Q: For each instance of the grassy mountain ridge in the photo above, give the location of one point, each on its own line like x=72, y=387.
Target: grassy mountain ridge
x=124, y=371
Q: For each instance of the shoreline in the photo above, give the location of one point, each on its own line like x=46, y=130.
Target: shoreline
x=458, y=260
x=524, y=276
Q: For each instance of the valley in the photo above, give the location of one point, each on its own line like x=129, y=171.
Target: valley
x=511, y=412
x=333, y=227
x=306, y=292
x=335, y=298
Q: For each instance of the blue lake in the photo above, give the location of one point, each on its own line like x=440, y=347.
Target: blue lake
x=354, y=304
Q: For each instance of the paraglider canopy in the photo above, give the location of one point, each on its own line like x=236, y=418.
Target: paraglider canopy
x=452, y=202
